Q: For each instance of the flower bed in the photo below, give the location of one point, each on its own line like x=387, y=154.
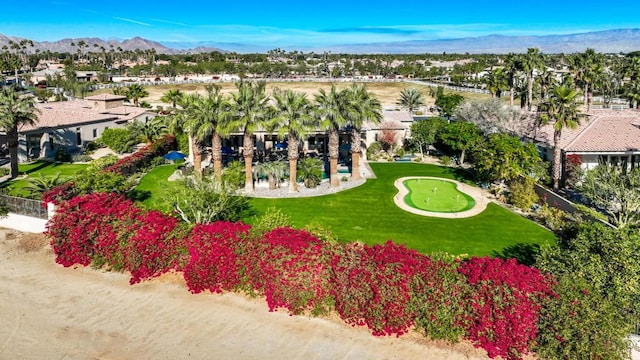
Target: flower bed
x=388, y=288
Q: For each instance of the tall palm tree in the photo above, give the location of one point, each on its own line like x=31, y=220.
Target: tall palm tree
x=251, y=112
x=135, y=92
x=210, y=116
x=15, y=110
x=561, y=111
x=362, y=107
x=512, y=65
x=172, y=96
x=180, y=121
x=293, y=119
x=330, y=112
x=411, y=99
x=593, y=67
x=531, y=61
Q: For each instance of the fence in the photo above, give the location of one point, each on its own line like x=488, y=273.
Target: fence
x=23, y=206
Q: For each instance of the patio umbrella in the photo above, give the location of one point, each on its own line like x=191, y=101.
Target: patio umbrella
x=282, y=145
x=174, y=155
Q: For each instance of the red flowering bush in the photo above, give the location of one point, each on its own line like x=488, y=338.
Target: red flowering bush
x=296, y=271
x=85, y=229
x=372, y=286
x=157, y=245
x=215, y=261
x=504, y=305
x=130, y=164
x=59, y=194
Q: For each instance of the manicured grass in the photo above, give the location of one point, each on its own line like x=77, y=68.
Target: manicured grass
x=368, y=214
x=155, y=191
x=436, y=195
x=37, y=168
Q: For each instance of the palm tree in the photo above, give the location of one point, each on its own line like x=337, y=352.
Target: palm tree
x=36, y=186
x=148, y=131
x=512, y=65
x=593, y=65
x=531, y=62
x=495, y=81
x=172, y=96
x=363, y=107
x=293, y=119
x=250, y=112
x=15, y=110
x=330, y=112
x=561, y=111
x=180, y=122
x=135, y=92
x=411, y=99
x=210, y=116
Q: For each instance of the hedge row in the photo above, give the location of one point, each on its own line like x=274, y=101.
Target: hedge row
x=388, y=288
x=125, y=166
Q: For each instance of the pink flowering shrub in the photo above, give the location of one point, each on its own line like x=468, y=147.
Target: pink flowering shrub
x=58, y=194
x=296, y=270
x=372, y=286
x=215, y=262
x=130, y=164
x=504, y=305
x=156, y=246
x=83, y=228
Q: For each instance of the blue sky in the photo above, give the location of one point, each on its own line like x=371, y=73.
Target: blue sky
x=287, y=24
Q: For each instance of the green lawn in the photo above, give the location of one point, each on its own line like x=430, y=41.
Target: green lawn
x=37, y=168
x=155, y=191
x=367, y=213
x=436, y=195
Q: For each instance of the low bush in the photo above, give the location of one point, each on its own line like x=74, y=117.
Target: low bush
x=522, y=193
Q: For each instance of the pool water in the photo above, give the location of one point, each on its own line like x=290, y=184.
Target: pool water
x=436, y=195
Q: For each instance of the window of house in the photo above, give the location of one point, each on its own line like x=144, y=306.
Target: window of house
x=78, y=137
x=95, y=133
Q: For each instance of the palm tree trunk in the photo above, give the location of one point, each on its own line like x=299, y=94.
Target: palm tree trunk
x=247, y=144
x=293, y=174
x=292, y=153
x=557, y=157
x=355, y=154
x=12, y=139
x=216, y=155
x=529, y=91
x=197, y=158
x=248, y=174
x=585, y=99
x=334, y=142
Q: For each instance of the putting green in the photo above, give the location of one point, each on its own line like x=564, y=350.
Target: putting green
x=436, y=195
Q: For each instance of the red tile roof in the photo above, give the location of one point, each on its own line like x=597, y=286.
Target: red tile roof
x=603, y=131
x=77, y=112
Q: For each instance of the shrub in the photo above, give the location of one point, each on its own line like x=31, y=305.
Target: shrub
x=271, y=219
x=87, y=182
x=310, y=171
x=204, y=201
x=81, y=158
x=446, y=160
x=296, y=271
x=103, y=162
x=216, y=261
x=372, y=286
x=117, y=139
x=373, y=149
x=552, y=217
x=62, y=155
x=581, y=324
x=522, y=193
x=233, y=175
x=4, y=171
x=504, y=305
x=438, y=296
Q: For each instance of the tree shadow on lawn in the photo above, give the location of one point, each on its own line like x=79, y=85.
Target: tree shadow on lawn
x=461, y=174
x=525, y=253
x=138, y=195
x=41, y=165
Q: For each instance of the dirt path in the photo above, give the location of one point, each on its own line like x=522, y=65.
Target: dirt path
x=47, y=311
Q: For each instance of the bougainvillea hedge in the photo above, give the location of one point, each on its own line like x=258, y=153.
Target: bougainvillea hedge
x=494, y=303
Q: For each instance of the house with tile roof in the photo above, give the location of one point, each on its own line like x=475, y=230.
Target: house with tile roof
x=609, y=136
x=71, y=125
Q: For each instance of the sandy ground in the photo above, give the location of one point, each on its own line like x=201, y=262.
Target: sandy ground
x=51, y=312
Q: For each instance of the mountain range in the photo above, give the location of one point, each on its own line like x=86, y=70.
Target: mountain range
x=607, y=41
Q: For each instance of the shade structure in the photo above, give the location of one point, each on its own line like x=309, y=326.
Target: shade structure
x=281, y=145
x=174, y=155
